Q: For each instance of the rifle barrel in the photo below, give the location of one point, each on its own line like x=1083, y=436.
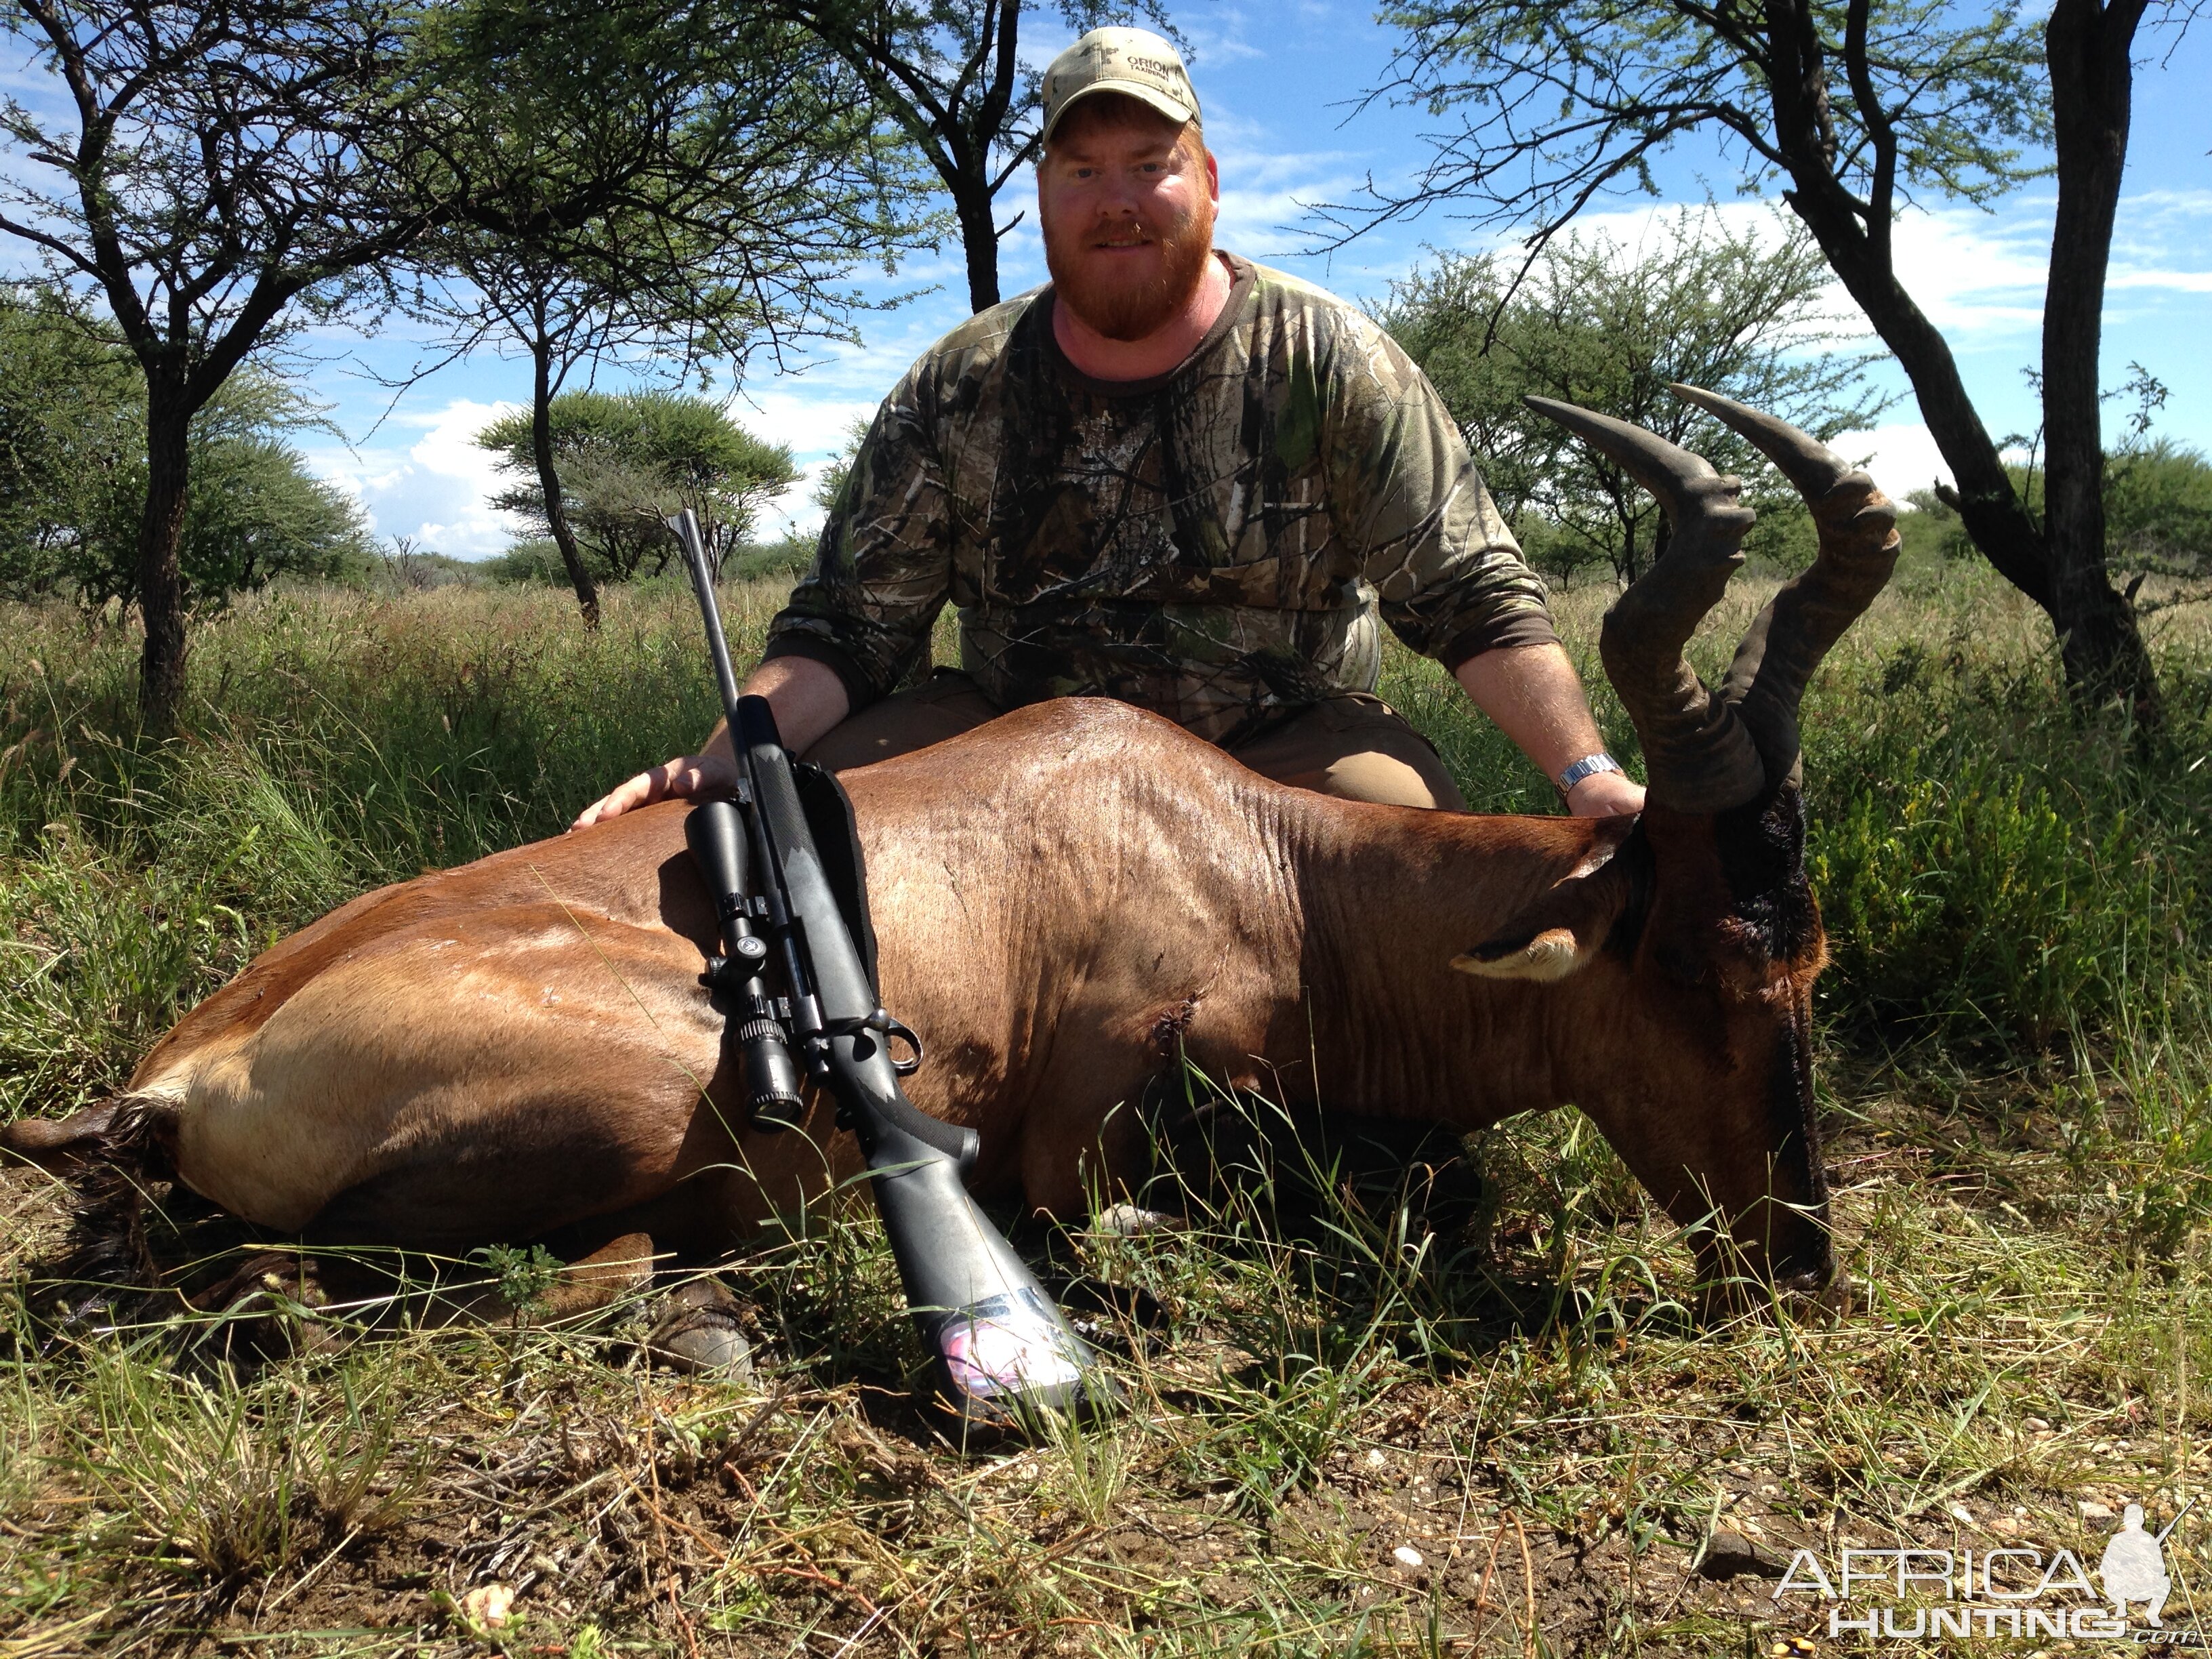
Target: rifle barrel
x=686, y=526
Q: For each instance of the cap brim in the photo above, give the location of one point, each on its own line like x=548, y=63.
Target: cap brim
x=1151, y=97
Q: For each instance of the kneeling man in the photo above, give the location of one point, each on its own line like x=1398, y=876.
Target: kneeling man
x=1170, y=476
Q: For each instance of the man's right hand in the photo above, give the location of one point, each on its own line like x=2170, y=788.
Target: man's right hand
x=687, y=775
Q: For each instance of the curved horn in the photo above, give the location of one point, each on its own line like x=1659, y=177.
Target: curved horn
x=1858, y=544
x=1698, y=756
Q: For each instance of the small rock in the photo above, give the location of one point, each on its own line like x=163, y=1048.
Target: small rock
x=1376, y=1459
x=488, y=1605
x=1407, y=1556
x=1731, y=1555
x=2092, y=1510
x=1961, y=1512
x=1133, y=1221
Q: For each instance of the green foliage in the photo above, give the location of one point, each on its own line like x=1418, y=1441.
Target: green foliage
x=627, y=461
x=2158, y=508
x=523, y=1278
x=1609, y=326
x=69, y=398
x=1988, y=876
x=831, y=484
x=779, y=561
x=73, y=472
x=1561, y=101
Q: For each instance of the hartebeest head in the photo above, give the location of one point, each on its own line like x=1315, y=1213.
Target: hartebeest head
x=1699, y=923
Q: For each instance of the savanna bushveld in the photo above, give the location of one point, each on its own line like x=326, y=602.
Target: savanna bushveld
x=1373, y=1391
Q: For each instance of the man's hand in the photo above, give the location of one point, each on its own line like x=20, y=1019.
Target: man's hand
x=1605, y=795
x=691, y=776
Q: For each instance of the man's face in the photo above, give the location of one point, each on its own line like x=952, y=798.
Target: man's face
x=1125, y=200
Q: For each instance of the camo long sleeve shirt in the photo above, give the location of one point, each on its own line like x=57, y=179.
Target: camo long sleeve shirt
x=1216, y=544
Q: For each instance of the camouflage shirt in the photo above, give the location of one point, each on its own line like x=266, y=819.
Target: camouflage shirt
x=1214, y=544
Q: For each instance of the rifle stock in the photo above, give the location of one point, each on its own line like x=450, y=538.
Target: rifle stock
x=1002, y=1352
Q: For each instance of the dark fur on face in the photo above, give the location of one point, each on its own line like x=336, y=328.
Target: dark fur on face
x=1115, y=306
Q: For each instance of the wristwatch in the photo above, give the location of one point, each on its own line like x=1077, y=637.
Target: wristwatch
x=1588, y=767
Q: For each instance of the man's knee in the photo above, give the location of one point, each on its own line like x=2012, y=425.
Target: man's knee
x=1355, y=747
x=944, y=706
x=1392, y=780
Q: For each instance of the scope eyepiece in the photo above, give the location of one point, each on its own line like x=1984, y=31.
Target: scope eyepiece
x=773, y=1102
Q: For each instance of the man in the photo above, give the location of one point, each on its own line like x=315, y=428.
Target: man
x=1171, y=478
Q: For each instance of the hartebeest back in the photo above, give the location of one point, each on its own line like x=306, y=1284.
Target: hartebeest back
x=1072, y=901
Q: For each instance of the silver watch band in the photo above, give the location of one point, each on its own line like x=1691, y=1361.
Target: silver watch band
x=1588, y=767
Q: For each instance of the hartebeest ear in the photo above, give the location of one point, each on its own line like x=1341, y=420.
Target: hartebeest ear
x=1562, y=930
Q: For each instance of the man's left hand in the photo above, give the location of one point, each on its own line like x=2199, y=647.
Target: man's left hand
x=1605, y=795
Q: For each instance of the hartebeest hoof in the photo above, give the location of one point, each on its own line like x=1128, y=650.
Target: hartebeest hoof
x=700, y=1330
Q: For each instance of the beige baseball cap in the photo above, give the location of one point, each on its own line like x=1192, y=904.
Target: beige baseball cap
x=1135, y=63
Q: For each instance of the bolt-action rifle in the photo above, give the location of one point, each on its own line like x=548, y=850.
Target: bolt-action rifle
x=799, y=999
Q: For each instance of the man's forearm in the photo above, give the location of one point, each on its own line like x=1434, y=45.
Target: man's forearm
x=806, y=696
x=1536, y=698
x=808, y=699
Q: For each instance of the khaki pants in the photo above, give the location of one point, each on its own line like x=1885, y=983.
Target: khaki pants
x=1354, y=746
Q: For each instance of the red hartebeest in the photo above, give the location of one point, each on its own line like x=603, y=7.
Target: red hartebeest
x=1068, y=901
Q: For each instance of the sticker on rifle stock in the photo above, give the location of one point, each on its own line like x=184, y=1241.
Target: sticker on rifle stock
x=1008, y=1344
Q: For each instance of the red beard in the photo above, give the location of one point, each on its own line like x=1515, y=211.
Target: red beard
x=1109, y=300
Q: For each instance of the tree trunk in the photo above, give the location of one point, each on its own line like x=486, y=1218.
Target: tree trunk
x=161, y=585
x=1989, y=507
x=2085, y=45
x=979, y=239
x=549, y=480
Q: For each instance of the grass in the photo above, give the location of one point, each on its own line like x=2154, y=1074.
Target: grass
x=2015, y=1069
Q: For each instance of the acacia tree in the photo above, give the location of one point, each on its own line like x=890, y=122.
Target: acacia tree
x=758, y=180
x=948, y=75
x=202, y=169
x=1860, y=108
x=628, y=461
x=1610, y=326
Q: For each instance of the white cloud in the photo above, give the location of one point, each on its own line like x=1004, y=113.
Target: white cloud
x=817, y=428
x=1902, y=457
x=438, y=489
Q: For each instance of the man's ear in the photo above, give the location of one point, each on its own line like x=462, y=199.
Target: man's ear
x=1562, y=930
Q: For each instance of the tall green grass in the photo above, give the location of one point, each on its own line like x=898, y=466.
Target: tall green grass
x=331, y=742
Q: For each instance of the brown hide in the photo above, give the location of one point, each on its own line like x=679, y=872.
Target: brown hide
x=1069, y=901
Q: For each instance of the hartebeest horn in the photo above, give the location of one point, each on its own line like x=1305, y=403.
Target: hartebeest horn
x=1858, y=546
x=1698, y=756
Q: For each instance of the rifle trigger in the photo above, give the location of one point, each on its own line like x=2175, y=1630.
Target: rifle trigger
x=892, y=1028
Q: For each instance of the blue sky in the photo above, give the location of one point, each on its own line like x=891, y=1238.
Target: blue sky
x=1277, y=82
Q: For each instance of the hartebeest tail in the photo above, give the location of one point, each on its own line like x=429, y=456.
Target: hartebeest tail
x=1072, y=902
